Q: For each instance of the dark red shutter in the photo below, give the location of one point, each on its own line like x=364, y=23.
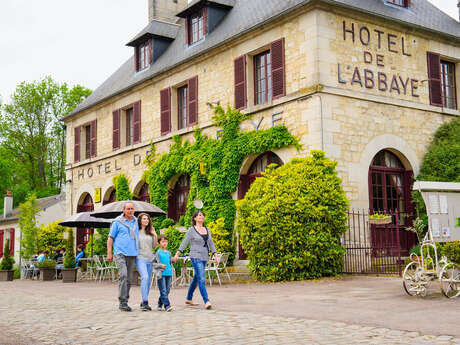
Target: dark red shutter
x=434, y=78
x=205, y=20
x=1, y=243
x=165, y=110
x=12, y=242
x=187, y=30
x=77, y=139
x=171, y=205
x=116, y=130
x=240, y=82
x=277, y=65
x=137, y=122
x=93, y=132
x=150, y=51
x=192, y=101
x=136, y=58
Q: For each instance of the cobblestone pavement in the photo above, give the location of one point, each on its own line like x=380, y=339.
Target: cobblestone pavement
x=57, y=320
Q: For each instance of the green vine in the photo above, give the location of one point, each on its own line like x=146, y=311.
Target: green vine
x=212, y=164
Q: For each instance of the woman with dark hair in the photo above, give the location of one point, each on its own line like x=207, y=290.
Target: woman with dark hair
x=200, y=240
x=80, y=253
x=147, y=242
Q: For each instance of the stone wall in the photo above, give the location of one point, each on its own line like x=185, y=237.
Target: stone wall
x=165, y=10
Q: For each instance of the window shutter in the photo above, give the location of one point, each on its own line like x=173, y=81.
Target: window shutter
x=277, y=66
x=434, y=78
x=187, y=30
x=93, y=132
x=77, y=139
x=165, y=110
x=12, y=242
x=192, y=101
x=205, y=20
x=243, y=186
x=136, y=58
x=240, y=82
x=116, y=130
x=150, y=51
x=171, y=205
x=1, y=243
x=137, y=122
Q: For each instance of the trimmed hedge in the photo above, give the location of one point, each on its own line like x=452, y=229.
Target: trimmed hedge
x=291, y=220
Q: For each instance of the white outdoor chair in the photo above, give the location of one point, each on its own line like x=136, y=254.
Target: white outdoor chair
x=222, y=259
x=100, y=268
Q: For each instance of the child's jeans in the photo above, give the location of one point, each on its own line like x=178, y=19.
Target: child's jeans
x=164, y=285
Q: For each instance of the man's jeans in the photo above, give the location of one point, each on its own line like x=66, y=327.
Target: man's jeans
x=144, y=268
x=125, y=266
x=198, y=278
x=164, y=285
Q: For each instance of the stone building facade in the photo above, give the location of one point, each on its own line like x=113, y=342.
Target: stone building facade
x=367, y=82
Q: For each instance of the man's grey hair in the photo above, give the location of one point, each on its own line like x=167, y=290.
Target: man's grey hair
x=126, y=204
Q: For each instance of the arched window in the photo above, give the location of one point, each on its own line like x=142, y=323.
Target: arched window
x=112, y=197
x=143, y=194
x=177, y=203
x=84, y=234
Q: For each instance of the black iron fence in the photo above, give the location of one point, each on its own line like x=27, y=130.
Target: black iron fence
x=377, y=249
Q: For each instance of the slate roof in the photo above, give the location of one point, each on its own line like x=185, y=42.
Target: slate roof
x=156, y=28
x=245, y=16
x=43, y=204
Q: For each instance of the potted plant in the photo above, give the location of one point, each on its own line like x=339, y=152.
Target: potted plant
x=379, y=218
x=69, y=272
x=47, y=269
x=6, y=266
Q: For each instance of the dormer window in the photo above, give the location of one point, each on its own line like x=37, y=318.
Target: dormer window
x=402, y=3
x=196, y=27
x=144, y=55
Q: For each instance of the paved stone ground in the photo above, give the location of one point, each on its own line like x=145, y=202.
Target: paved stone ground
x=50, y=313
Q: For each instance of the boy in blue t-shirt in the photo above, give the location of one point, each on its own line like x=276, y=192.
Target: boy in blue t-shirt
x=164, y=283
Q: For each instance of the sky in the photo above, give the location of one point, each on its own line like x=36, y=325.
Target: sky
x=77, y=42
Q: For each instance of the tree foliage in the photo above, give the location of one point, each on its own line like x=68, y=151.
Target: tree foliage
x=97, y=245
x=33, y=137
x=291, y=220
x=213, y=165
x=122, y=192
x=69, y=257
x=51, y=236
x=7, y=261
x=29, y=211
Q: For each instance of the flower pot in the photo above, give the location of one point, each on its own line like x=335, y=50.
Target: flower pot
x=47, y=274
x=69, y=275
x=380, y=221
x=6, y=275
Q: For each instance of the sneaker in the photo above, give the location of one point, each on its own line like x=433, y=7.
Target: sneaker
x=145, y=306
x=125, y=307
x=208, y=305
x=170, y=308
x=159, y=308
x=189, y=302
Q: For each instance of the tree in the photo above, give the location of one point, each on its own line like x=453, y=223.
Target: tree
x=28, y=225
x=122, y=191
x=291, y=220
x=50, y=237
x=69, y=257
x=7, y=261
x=31, y=131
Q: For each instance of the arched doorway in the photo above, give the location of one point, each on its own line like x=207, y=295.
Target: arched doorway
x=255, y=170
x=111, y=197
x=389, y=191
x=86, y=205
x=143, y=194
x=177, y=200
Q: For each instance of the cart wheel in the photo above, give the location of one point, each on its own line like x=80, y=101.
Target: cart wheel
x=411, y=278
x=450, y=280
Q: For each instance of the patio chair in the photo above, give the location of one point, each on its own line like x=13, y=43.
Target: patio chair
x=100, y=268
x=28, y=269
x=110, y=266
x=221, y=266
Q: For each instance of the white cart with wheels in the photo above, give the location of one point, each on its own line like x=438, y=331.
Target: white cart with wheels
x=442, y=200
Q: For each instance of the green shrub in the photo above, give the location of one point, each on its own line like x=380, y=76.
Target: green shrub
x=69, y=257
x=174, y=239
x=121, y=183
x=419, y=228
x=166, y=223
x=17, y=273
x=291, y=220
x=415, y=250
x=48, y=263
x=97, y=245
x=451, y=250
x=220, y=236
x=7, y=261
x=51, y=236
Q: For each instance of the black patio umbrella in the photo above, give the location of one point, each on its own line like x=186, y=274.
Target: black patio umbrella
x=85, y=220
x=114, y=209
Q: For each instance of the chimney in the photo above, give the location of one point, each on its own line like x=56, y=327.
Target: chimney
x=8, y=204
x=165, y=10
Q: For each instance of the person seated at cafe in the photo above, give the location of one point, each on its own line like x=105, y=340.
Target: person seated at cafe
x=42, y=256
x=57, y=254
x=80, y=254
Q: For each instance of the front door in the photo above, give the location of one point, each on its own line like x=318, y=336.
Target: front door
x=84, y=234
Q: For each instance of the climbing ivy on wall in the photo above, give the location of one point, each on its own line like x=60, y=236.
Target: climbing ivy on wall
x=212, y=164
x=121, y=184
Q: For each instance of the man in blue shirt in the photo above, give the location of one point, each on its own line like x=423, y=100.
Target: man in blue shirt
x=124, y=237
